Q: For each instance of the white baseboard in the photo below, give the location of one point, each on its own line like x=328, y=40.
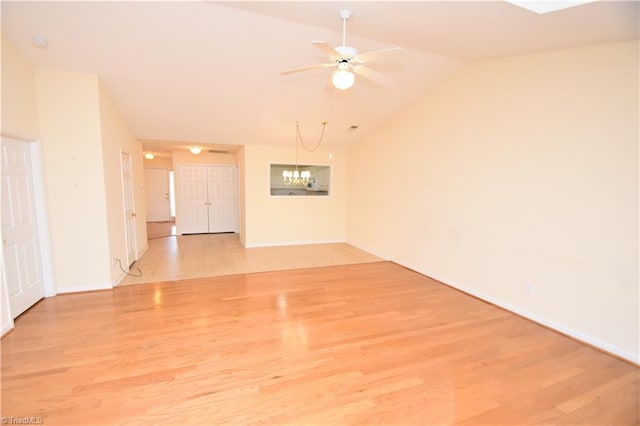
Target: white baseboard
x=78, y=289
x=578, y=335
x=144, y=250
x=6, y=328
x=585, y=338
x=292, y=243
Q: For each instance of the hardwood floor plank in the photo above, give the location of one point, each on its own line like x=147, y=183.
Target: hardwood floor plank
x=369, y=343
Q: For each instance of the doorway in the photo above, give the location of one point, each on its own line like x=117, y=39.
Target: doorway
x=20, y=232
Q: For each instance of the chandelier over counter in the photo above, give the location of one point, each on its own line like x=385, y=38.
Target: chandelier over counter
x=297, y=177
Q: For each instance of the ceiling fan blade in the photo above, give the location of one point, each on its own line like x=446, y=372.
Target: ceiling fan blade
x=372, y=75
x=374, y=55
x=307, y=68
x=326, y=48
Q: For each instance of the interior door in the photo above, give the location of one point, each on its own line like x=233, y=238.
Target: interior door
x=193, y=212
x=129, y=208
x=156, y=184
x=222, y=207
x=20, y=239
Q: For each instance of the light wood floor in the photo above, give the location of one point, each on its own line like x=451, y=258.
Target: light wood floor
x=206, y=255
x=358, y=344
x=160, y=229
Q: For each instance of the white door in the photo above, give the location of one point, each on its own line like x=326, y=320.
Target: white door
x=23, y=264
x=156, y=190
x=193, y=212
x=206, y=200
x=222, y=203
x=129, y=208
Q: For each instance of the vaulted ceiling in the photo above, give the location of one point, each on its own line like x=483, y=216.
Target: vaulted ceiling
x=208, y=73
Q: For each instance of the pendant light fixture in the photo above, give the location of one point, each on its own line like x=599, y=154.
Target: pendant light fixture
x=297, y=177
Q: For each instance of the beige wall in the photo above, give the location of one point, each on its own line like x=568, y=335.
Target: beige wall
x=117, y=139
x=19, y=109
x=68, y=110
x=186, y=157
x=292, y=220
x=158, y=163
x=517, y=172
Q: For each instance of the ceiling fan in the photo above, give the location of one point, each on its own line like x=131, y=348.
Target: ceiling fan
x=347, y=61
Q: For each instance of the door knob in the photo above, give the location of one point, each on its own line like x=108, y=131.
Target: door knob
x=133, y=214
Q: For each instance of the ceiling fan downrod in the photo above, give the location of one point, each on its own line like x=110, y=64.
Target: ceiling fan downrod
x=344, y=15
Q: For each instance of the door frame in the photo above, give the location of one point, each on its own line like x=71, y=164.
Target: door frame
x=133, y=235
x=42, y=221
x=236, y=191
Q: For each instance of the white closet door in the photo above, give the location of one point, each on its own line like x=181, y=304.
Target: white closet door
x=193, y=212
x=22, y=261
x=222, y=207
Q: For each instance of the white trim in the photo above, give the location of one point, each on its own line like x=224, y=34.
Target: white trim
x=42, y=219
x=79, y=289
x=143, y=251
x=6, y=329
x=4, y=293
x=578, y=335
x=292, y=243
x=128, y=193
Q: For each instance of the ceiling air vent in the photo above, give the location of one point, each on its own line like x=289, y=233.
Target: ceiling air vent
x=216, y=151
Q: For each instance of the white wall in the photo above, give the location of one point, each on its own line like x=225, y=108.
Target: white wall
x=517, y=172
x=19, y=120
x=116, y=138
x=292, y=220
x=68, y=111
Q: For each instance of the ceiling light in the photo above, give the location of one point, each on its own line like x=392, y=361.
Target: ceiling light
x=195, y=150
x=544, y=6
x=149, y=156
x=342, y=77
x=39, y=42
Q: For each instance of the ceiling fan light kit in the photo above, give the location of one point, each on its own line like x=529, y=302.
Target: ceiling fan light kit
x=343, y=78
x=347, y=61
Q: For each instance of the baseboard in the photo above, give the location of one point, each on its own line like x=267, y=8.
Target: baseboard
x=567, y=331
x=79, y=289
x=6, y=329
x=292, y=243
x=144, y=250
x=574, y=334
